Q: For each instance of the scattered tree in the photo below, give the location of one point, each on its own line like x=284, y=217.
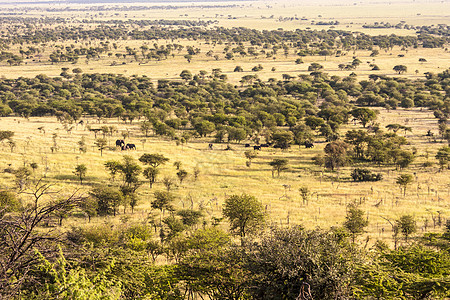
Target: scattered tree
x=403, y=181
x=80, y=172
x=245, y=214
x=278, y=164
x=355, y=221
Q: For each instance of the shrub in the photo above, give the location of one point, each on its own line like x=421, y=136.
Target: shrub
x=365, y=175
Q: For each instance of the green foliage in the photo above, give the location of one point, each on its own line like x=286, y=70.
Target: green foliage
x=365, y=175
x=282, y=139
x=245, y=214
x=443, y=156
x=355, y=221
x=250, y=155
x=130, y=171
x=400, y=69
x=403, y=181
x=101, y=144
x=190, y=217
x=22, y=177
x=9, y=202
x=163, y=200
x=407, y=225
x=292, y=262
x=279, y=164
x=151, y=173
x=58, y=280
x=182, y=174
x=415, y=272
x=108, y=200
x=364, y=115
x=6, y=135
x=154, y=160
x=80, y=172
x=113, y=167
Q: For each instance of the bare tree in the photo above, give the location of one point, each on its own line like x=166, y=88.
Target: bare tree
x=22, y=234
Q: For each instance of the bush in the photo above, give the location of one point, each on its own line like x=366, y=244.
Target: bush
x=365, y=175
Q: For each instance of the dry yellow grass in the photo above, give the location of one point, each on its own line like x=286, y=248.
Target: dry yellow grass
x=224, y=173
x=252, y=14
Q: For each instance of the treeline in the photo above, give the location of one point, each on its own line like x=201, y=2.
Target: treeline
x=140, y=23
x=324, y=39
x=208, y=96
x=185, y=255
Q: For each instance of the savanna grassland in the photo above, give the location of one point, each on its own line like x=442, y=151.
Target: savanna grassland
x=270, y=150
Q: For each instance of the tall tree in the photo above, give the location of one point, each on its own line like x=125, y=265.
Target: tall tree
x=355, y=221
x=335, y=154
x=364, y=115
x=80, y=172
x=403, y=180
x=245, y=214
x=278, y=164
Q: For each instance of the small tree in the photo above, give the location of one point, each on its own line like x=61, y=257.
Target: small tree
x=6, y=134
x=168, y=182
x=163, y=201
x=22, y=176
x=304, y=193
x=182, y=174
x=151, y=173
x=364, y=115
x=177, y=164
x=145, y=127
x=407, y=226
x=335, y=154
x=113, y=167
x=80, y=172
x=443, y=156
x=82, y=145
x=245, y=214
x=101, y=144
x=355, y=221
x=108, y=200
x=403, y=180
x=130, y=171
x=400, y=69
x=278, y=164
x=154, y=160
x=11, y=145
x=196, y=172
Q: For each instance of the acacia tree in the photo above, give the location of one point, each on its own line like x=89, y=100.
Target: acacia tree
x=154, y=160
x=403, y=180
x=113, y=167
x=304, y=193
x=182, y=174
x=245, y=214
x=407, y=226
x=278, y=164
x=151, y=173
x=163, y=201
x=364, y=115
x=101, y=144
x=108, y=200
x=145, y=127
x=400, y=69
x=443, y=156
x=355, y=221
x=80, y=172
